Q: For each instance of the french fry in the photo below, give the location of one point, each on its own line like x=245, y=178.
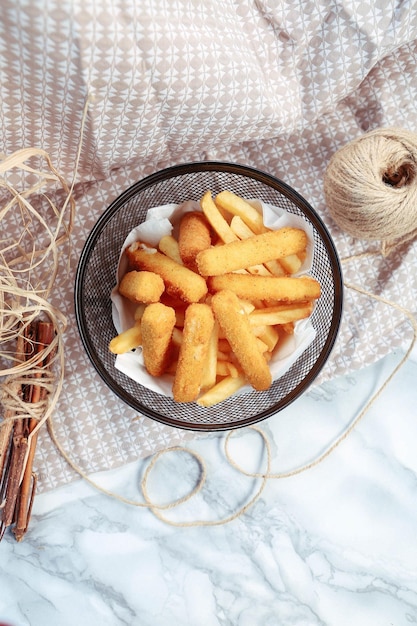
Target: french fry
x=271, y=316
x=176, y=337
x=216, y=219
x=226, y=368
x=236, y=205
x=241, y=229
x=275, y=268
x=246, y=305
x=259, y=270
x=139, y=311
x=223, y=355
x=270, y=336
x=180, y=317
x=291, y=264
x=221, y=391
x=126, y=341
x=261, y=345
x=168, y=245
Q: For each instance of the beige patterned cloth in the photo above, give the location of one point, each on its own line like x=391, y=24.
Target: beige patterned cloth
x=277, y=85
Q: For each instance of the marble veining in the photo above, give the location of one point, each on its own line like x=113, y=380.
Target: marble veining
x=335, y=545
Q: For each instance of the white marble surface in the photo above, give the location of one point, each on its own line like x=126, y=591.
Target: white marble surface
x=336, y=545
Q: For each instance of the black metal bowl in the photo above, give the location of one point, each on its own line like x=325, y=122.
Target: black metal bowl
x=96, y=273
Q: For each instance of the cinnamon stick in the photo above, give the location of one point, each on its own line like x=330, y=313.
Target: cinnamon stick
x=8, y=423
x=44, y=336
x=17, y=459
x=18, y=484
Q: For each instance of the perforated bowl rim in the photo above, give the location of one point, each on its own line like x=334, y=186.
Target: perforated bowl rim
x=148, y=182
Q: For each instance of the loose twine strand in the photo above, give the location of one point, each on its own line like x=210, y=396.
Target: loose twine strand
x=24, y=303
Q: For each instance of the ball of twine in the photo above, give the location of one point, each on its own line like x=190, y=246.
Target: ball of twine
x=370, y=187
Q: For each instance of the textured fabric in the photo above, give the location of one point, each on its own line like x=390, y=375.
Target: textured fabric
x=276, y=85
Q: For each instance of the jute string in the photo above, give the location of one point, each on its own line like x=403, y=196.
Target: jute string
x=370, y=187
x=13, y=309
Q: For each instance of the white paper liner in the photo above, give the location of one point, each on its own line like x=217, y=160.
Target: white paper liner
x=164, y=220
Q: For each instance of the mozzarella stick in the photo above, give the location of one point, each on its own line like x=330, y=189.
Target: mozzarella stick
x=194, y=236
x=236, y=327
x=157, y=324
x=256, y=250
x=142, y=286
x=198, y=326
x=179, y=281
x=268, y=288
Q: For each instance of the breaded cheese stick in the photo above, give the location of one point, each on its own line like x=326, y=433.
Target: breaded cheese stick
x=256, y=250
x=157, y=324
x=268, y=288
x=142, y=286
x=179, y=281
x=193, y=236
x=236, y=327
x=198, y=326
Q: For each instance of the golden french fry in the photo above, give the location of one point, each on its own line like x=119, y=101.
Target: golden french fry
x=291, y=263
x=261, y=345
x=241, y=229
x=259, y=270
x=216, y=219
x=258, y=330
x=179, y=317
x=169, y=246
x=270, y=336
x=236, y=205
x=246, y=305
x=139, y=311
x=223, y=356
x=271, y=316
x=288, y=328
x=221, y=391
x=176, y=337
x=256, y=250
x=126, y=341
x=226, y=368
x=275, y=267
